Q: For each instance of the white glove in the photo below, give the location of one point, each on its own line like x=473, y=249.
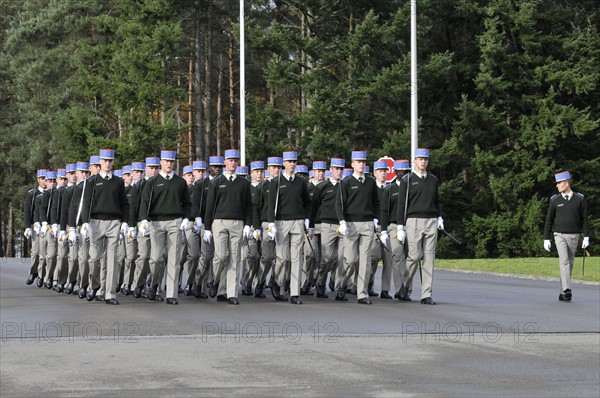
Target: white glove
x=342, y=229
x=62, y=238
x=306, y=223
x=247, y=233
x=124, y=228
x=183, y=224
x=131, y=234
x=72, y=235
x=257, y=234
x=43, y=229
x=586, y=243
x=375, y=222
x=143, y=228
x=85, y=230
x=54, y=231
x=547, y=245
x=27, y=233
x=440, y=223
x=36, y=228
x=207, y=236
x=383, y=237
x=401, y=233
x=197, y=224
x=311, y=233
x=271, y=231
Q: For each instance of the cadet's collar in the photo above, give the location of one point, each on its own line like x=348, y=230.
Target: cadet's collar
x=164, y=175
x=424, y=175
x=230, y=177
x=41, y=189
x=357, y=177
x=333, y=181
x=567, y=195
x=380, y=185
x=289, y=178
x=104, y=175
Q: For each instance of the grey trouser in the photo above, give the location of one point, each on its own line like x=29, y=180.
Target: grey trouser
x=267, y=256
x=192, y=254
x=379, y=253
x=312, y=257
x=165, y=237
x=131, y=249
x=142, y=263
x=566, y=245
x=227, y=237
x=51, y=253
x=73, y=261
x=61, y=270
x=251, y=261
x=207, y=253
x=104, y=236
x=357, y=256
x=398, y=260
x=42, y=264
x=84, y=261
x=330, y=240
x=35, y=253
x=289, y=251
x=421, y=237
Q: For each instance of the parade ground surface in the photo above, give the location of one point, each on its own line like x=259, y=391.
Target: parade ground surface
x=487, y=336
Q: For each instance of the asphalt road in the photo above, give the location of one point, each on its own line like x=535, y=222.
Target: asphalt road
x=488, y=336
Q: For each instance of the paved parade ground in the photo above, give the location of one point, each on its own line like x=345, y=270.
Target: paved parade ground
x=488, y=336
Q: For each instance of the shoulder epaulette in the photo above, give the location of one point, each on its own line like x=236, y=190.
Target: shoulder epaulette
x=579, y=194
x=554, y=196
x=31, y=190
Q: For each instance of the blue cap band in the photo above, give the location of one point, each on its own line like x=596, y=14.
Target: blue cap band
x=319, y=165
x=301, y=168
x=216, y=161
x=107, y=153
x=275, y=161
x=562, y=176
x=290, y=155
x=153, y=162
x=188, y=169
x=421, y=153
x=232, y=154
x=380, y=165
x=168, y=155
x=359, y=155
x=199, y=165
x=257, y=165
x=95, y=159
x=337, y=162
x=83, y=166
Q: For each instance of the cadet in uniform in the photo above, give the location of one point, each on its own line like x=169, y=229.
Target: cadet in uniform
x=389, y=225
x=418, y=221
x=105, y=211
x=142, y=263
x=251, y=250
x=62, y=250
x=198, y=197
x=261, y=225
x=229, y=215
x=73, y=247
x=289, y=210
x=48, y=241
x=323, y=213
x=32, y=200
x=191, y=247
x=381, y=248
x=357, y=210
x=567, y=218
x=166, y=202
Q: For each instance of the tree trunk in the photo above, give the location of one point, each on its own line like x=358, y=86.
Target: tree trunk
x=190, y=113
x=220, y=103
x=200, y=150
x=208, y=86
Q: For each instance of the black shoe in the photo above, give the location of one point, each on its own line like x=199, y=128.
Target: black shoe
x=48, y=285
x=137, y=292
x=179, y=289
x=99, y=297
x=89, y=296
x=247, y=290
x=373, y=293
x=341, y=295
x=295, y=300
x=159, y=297
x=233, y=301
x=258, y=292
x=126, y=291
x=39, y=282
x=221, y=297
x=364, y=301
x=213, y=288
x=188, y=290
x=384, y=295
x=172, y=300
x=151, y=292
x=331, y=285
x=69, y=288
x=275, y=290
x=321, y=292
x=112, y=301
x=81, y=293
x=305, y=290
x=30, y=279
x=566, y=296
x=427, y=300
x=118, y=289
x=402, y=295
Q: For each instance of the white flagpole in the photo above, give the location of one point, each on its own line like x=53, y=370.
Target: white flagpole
x=242, y=88
x=414, y=118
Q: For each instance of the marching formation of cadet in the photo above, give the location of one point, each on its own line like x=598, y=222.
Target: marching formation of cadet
x=220, y=228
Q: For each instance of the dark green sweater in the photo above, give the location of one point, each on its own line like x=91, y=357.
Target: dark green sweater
x=291, y=199
x=423, y=199
x=105, y=200
x=228, y=200
x=164, y=200
x=567, y=216
x=323, y=203
x=357, y=202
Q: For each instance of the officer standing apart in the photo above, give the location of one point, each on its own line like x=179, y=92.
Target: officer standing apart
x=105, y=210
x=289, y=210
x=357, y=210
x=419, y=215
x=166, y=204
x=567, y=218
x=228, y=219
